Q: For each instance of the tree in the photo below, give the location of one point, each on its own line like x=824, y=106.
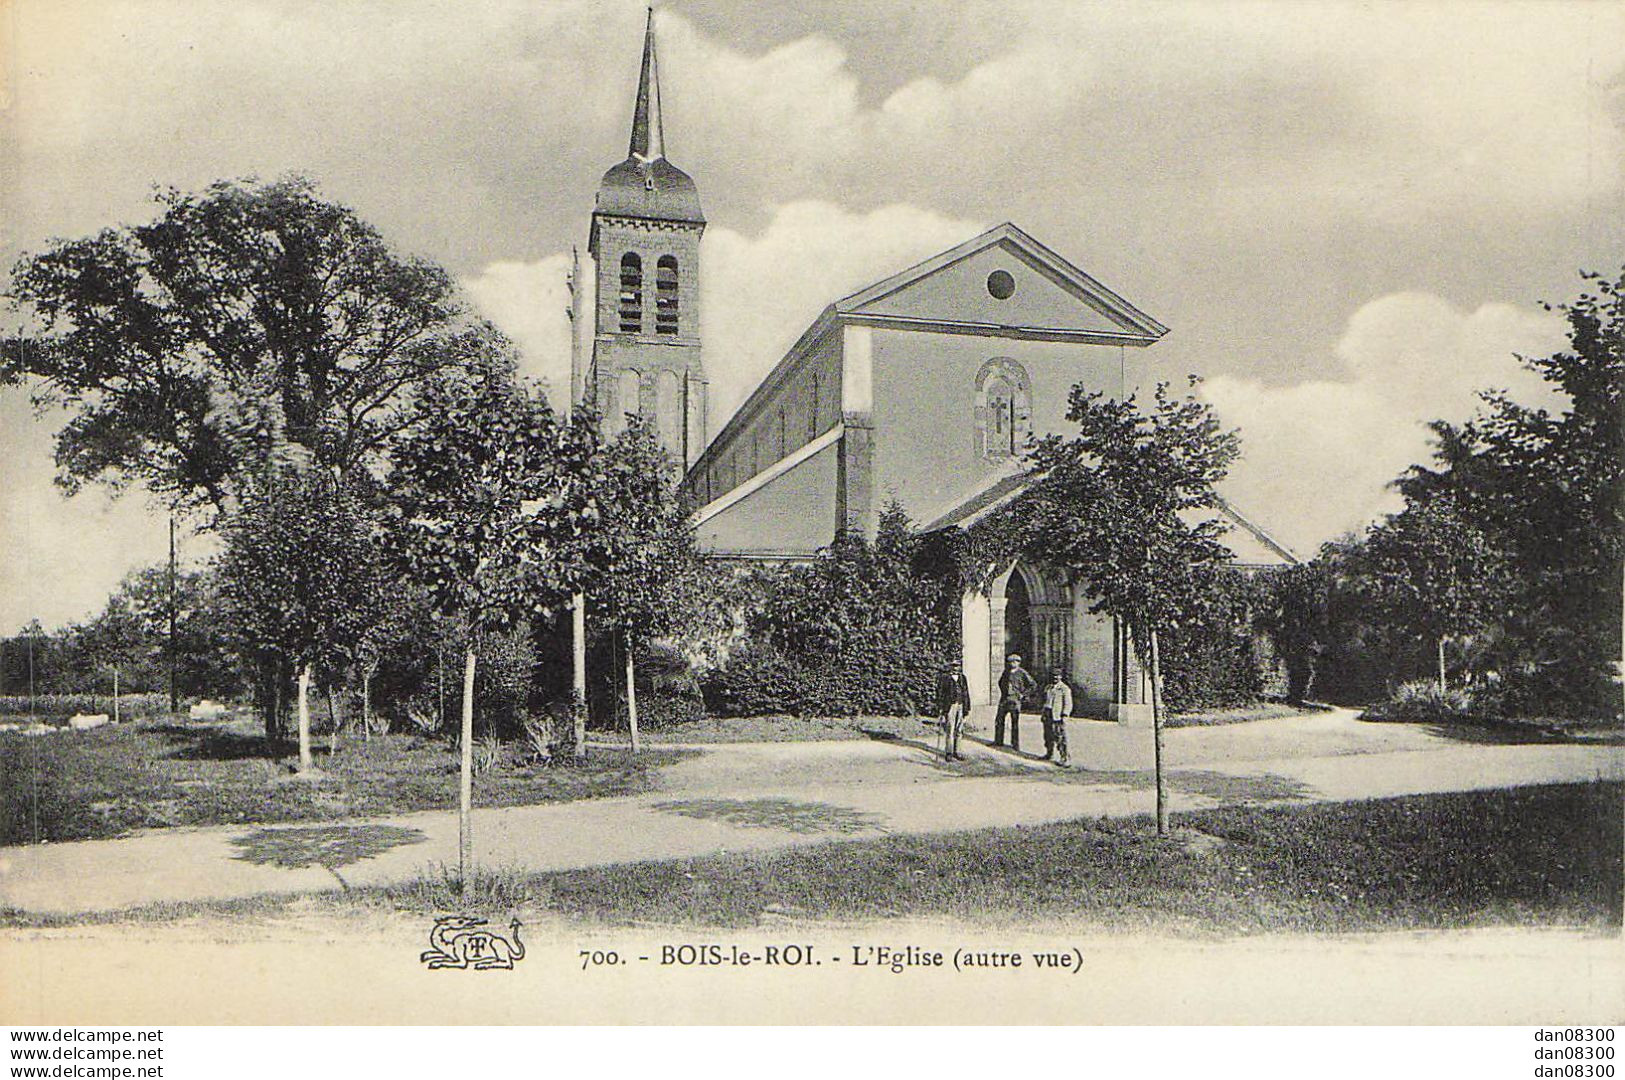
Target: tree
x=249, y=326
x=112, y=644
x=1547, y=489
x=644, y=557
x=490, y=514
x=1126, y=506
x=863, y=628
x=1434, y=572
x=297, y=575
x=393, y=614
x=1296, y=614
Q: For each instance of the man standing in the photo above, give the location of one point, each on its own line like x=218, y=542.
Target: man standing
x=1015, y=686
x=1057, y=707
x=953, y=705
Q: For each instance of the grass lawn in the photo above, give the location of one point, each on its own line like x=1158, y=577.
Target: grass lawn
x=1539, y=856
x=111, y=780
x=1536, y=856
x=1241, y=714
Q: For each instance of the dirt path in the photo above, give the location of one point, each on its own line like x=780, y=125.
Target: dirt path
x=738, y=797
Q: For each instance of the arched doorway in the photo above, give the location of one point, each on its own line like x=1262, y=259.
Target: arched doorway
x=1018, y=619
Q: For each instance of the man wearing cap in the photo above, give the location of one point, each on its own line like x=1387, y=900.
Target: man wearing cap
x=1015, y=686
x=1057, y=707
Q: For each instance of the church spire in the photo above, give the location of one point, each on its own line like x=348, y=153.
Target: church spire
x=648, y=142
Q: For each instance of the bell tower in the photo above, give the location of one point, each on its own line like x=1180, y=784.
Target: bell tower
x=645, y=254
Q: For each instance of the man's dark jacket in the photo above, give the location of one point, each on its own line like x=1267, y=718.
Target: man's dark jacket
x=1016, y=685
x=951, y=690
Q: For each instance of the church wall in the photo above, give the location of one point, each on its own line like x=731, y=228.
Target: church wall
x=793, y=513
x=1093, y=674
x=924, y=408
x=803, y=405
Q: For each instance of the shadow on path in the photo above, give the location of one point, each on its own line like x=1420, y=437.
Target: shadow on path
x=796, y=817
x=1220, y=786
x=327, y=846
x=929, y=740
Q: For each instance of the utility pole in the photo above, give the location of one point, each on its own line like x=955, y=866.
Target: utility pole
x=578, y=600
x=174, y=700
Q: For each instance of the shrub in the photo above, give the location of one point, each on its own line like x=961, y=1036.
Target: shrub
x=874, y=680
x=863, y=629
x=130, y=706
x=1423, y=702
x=668, y=692
x=487, y=754
x=1214, y=659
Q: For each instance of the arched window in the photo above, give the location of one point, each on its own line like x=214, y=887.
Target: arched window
x=1004, y=409
x=666, y=295
x=631, y=295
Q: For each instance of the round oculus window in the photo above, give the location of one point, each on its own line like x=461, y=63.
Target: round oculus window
x=1001, y=285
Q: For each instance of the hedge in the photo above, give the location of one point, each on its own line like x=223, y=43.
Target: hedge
x=862, y=630
x=130, y=706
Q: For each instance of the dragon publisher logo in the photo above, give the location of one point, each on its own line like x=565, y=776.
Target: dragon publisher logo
x=459, y=941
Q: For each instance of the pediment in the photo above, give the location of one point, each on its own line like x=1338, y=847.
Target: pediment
x=1004, y=279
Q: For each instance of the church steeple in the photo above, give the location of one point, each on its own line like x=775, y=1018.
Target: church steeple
x=645, y=251
x=648, y=141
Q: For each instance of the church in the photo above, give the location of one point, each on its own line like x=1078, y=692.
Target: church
x=922, y=388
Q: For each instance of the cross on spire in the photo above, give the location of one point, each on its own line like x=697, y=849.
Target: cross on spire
x=648, y=142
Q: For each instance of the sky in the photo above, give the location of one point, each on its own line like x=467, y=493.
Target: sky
x=1347, y=212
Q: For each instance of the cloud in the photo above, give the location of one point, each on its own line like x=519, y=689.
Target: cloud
x=529, y=301
x=62, y=557
x=1317, y=456
x=494, y=116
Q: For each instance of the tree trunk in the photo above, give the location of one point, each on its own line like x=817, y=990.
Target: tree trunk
x=273, y=722
x=465, y=785
x=333, y=719
x=306, y=762
x=1156, y=735
x=1442, y=686
x=115, y=694
x=631, y=694
x=366, y=706
x=578, y=673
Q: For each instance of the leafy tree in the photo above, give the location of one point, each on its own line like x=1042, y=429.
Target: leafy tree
x=644, y=557
x=1547, y=488
x=26, y=661
x=394, y=615
x=297, y=574
x=249, y=326
x=112, y=644
x=490, y=513
x=1296, y=614
x=1433, y=571
x=1127, y=506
